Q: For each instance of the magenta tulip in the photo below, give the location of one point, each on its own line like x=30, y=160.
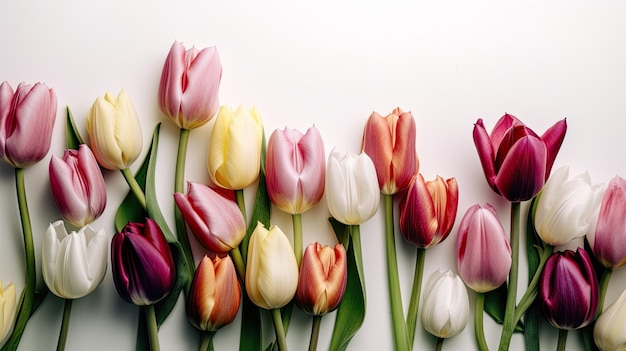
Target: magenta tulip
x=515, y=160
x=141, y=262
x=26, y=122
x=568, y=289
x=188, y=92
x=78, y=186
x=483, y=253
x=428, y=211
x=215, y=221
x=295, y=169
x=607, y=235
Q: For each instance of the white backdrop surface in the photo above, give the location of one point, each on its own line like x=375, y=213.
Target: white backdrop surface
x=327, y=63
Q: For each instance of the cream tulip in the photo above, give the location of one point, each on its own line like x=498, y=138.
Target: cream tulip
x=8, y=304
x=446, y=305
x=609, y=332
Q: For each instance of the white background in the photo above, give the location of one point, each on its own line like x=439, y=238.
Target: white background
x=328, y=63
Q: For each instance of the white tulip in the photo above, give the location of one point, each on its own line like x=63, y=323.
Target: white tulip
x=610, y=329
x=446, y=305
x=8, y=304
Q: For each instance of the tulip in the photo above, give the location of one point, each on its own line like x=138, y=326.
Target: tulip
x=607, y=234
x=73, y=264
x=352, y=191
x=272, y=270
x=215, y=221
x=78, y=186
x=235, y=148
x=26, y=123
x=323, y=277
x=568, y=289
x=446, y=305
x=215, y=294
x=563, y=209
x=390, y=142
x=142, y=264
x=609, y=331
x=428, y=211
x=8, y=304
x=188, y=92
x=515, y=160
x=295, y=169
x=483, y=253
x=114, y=131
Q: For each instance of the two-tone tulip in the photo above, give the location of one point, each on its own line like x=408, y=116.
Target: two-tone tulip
x=390, y=143
x=352, y=192
x=189, y=87
x=568, y=289
x=8, y=305
x=26, y=122
x=271, y=269
x=215, y=294
x=77, y=186
x=563, y=209
x=214, y=220
x=607, y=234
x=428, y=211
x=73, y=264
x=114, y=131
x=295, y=169
x=446, y=305
x=515, y=160
x=483, y=252
x=142, y=264
x=323, y=278
x=609, y=331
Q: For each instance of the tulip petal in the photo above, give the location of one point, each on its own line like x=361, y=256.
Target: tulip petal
x=522, y=173
x=553, y=138
x=486, y=153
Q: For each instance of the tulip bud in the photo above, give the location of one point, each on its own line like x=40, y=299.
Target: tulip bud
x=446, y=305
x=390, y=143
x=609, y=331
x=188, y=92
x=352, y=192
x=323, y=277
x=271, y=270
x=515, y=160
x=8, y=305
x=215, y=221
x=564, y=207
x=568, y=289
x=141, y=262
x=607, y=233
x=295, y=169
x=114, y=131
x=26, y=123
x=483, y=253
x=74, y=264
x=428, y=211
x=215, y=294
x=78, y=186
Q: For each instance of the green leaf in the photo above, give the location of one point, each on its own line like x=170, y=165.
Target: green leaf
x=72, y=136
x=495, y=304
x=532, y=315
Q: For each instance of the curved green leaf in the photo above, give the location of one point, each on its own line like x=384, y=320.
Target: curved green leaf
x=72, y=136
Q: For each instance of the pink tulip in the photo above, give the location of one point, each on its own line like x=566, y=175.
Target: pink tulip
x=390, y=143
x=188, y=92
x=483, y=253
x=515, y=160
x=26, y=122
x=428, y=211
x=215, y=220
x=78, y=186
x=295, y=169
x=607, y=234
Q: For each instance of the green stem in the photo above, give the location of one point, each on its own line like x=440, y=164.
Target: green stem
x=235, y=254
x=411, y=318
x=65, y=325
x=153, y=332
x=207, y=337
x=439, y=344
x=134, y=187
x=315, y=332
x=179, y=184
x=297, y=236
x=401, y=339
x=604, y=284
x=479, y=328
x=278, y=328
x=242, y=204
x=560, y=346
x=531, y=292
x=508, y=326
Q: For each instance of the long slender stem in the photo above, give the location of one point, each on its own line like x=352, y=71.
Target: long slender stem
x=508, y=326
x=235, y=254
x=479, y=327
x=179, y=183
x=355, y=241
x=439, y=344
x=411, y=318
x=153, y=332
x=531, y=292
x=134, y=187
x=401, y=339
x=297, y=236
x=207, y=337
x=65, y=325
x=242, y=204
x=560, y=346
x=315, y=332
x=279, y=329
x=604, y=284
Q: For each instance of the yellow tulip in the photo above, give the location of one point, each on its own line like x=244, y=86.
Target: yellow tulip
x=8, y=303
